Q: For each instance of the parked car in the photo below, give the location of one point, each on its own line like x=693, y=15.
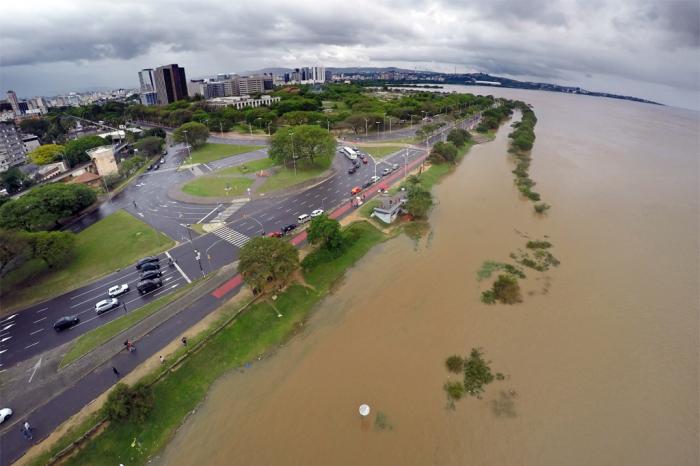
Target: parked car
x=317, y=212
x=145, y=260
x=65, y=322
x=156, y=166
x=364, y=160
x=274, y=234
x=395, y=167
x=162, y=160
x=352, y=170
x=5, y=413
x=287, y=228
x=367, y=184
x=145, y=286
x=149, y=274
x=386, y=171
x=303, y=218
x=374, y=179
x=106, y=305
x=150, y=266
x=355, y=190
x=164, y=152
x=116, y=290
x=356, y=164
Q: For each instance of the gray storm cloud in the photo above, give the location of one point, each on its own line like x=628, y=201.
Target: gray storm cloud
x=654, y=42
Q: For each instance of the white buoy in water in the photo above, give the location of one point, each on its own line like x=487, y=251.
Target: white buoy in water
x=364, y=410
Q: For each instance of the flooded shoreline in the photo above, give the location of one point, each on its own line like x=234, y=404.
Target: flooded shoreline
x=602, y=369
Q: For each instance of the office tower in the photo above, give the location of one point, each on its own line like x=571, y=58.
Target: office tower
x=12, y=152
x=12, y=98
x=171, y=84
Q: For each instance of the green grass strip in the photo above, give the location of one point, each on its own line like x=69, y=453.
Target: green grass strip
x=380, y=152
x=285, y=178
x=210, y=152
x=217, y=186
x=100, y=335
x=255, y=331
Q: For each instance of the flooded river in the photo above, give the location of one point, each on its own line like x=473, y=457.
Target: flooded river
x=601, y=358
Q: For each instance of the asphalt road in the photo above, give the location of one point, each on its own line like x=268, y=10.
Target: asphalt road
x=30, y=332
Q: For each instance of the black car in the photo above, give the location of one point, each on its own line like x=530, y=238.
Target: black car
x=287, y=228
x=352, y=170
x=367, y=184
x=65, y=322
x=356, y=163
x=146, y=260
x=149, y=274
x=150, y=266
x=144, y=286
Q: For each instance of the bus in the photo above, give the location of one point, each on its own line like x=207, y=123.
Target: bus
x=349, y=153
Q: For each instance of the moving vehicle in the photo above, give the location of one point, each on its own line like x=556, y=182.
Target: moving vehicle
x=149, y=274
x=317, y=212
x=274, y=234
x=303, y=218
x=116, y=290
x=5, y=413
x=364, y=161
x=386, y=171
x=355, y=190
x=145, y=260
x=145, y=286
x=106, y=305
x=287, y=228
x=352, y=170
x=349, y=153
x=395, y=167
x=374, y=179
x=65, y=322
x=150, y=266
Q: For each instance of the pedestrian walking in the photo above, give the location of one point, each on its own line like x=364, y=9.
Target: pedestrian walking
x=25, y=434
x=184, y=341
x=116, y=372
x=27, y=427
x=162, y=359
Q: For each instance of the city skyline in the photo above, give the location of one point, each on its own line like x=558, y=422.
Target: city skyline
x=594, y=45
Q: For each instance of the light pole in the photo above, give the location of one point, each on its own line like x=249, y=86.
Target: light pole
x=262, y=228
x=411, y=120
x=366, y=120
x=405, y=162
x=197, y=255
x=221, y=128
x=268, y=129
x=187, y=144
x=377, y=123
x=294, y=160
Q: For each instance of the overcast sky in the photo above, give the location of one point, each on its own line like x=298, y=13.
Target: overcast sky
x=645, y=48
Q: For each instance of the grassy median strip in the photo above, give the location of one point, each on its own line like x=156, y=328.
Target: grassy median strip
x=379, y=152
x=246, y=168
x=217, y=186
x=210, y=152
x=96, y=337
x=112, y=243
x=254, y=332
x=286, y=178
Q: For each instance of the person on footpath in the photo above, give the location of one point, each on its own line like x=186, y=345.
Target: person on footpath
x=116, y=372
x=184, y=341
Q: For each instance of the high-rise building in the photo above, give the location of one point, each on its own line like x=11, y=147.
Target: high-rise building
x=318, y=74
x=12, y=152
x=171, y=83
x=12, y=98
x=146, y=80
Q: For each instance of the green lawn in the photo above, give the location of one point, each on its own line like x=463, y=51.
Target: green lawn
x=96, y=337
x=113, y=243
x=285, y=178
x=247, y=167
x=254, y=332
x=210, y=152
x=216, y=186
x=380, y=152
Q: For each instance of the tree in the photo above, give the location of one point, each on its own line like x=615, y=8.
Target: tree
x=506, y=289
x=36, y=126
x=150, y=145
x=129, y=166
x=443, y=152
x=13, y=180
x=477, y=373
x=305, y=143
x=53, y=247
x=454, y=363
x=46, y=154
x=419, y=201
x=13, y=245
x=459, y=137
x=325, y=231
x=267, y=261
x=76, y=150
x=193, y=133
x=126, y=403
x=158, y=132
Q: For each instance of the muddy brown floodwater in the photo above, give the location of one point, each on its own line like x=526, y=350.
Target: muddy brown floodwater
x=601, y=358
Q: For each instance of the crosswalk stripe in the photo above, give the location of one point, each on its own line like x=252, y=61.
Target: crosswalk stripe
x=232, y=236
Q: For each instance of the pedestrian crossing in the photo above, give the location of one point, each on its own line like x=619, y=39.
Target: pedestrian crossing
x=227, y=212
x=232, y=236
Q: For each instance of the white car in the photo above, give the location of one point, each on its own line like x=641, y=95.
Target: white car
x=106, y=304
x=4, y=414
x=116, y=290
x=374, y=179
x=317, y=212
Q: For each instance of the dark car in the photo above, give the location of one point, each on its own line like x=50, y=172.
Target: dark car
x=287, y=228
x=364, y=161
x=352, y=170
x=150, y=266
x=274, y=234
x=144, y=286
x=146, y=260
x=149, y=274
x=356, y=163
x=65, y=323
x=367, y=184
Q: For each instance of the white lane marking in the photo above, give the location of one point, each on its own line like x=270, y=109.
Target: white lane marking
x=2, y=351
x=140, y=214
x=33, y=344
x=177, y=266
x=36, y=368
x=8, y=318
x=212, y=211
x=37, y=321
x=42, y=310
x=5, y=339
x=37, y=331
x=7, y=327
x=166, y=290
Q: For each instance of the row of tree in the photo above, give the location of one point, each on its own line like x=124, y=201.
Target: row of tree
x=17, y=247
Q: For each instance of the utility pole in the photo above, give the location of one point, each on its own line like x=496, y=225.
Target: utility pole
x=294, y=160
x=221, y=127
x=187, y=144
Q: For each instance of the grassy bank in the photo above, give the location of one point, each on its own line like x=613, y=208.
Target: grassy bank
x=255, y=331
x=285, y=178
x=129, y=239
x=217, y=186
x=100, y=335
x=246, y=168
x=380, y=151
x=210, y=152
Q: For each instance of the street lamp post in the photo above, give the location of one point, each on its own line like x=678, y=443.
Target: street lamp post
x=411, y=120
x=221, y=127
x=366, y=121
x=187, y=144
x=268, y=129
x=294, y=160
x=197, y=255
